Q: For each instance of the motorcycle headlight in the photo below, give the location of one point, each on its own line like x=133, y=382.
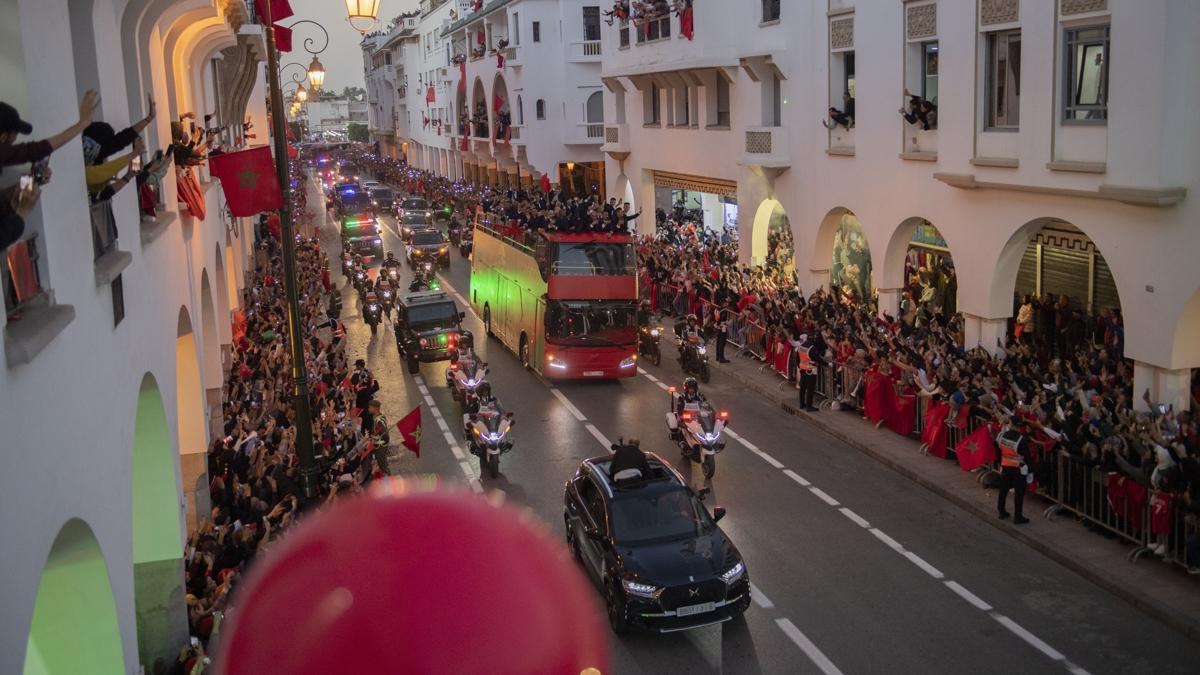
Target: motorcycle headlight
x=378, y=240
x=629, y=361
x=373, y=307
x=643, y=590
x=734, y=573
x=653, y=332
x=495, y=438
x=701, y=349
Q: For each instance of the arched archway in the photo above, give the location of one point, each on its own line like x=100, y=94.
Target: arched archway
x=221, y=299
x=771, y=237
x=594, y=109
x=917, y=259
x=480, y=110
x=842, y=256
x=1186, y=352
x=500, y=108
x=74, y=627
x=210, y=339
x=158, y=593
x=190, y=418
x=1051, y=260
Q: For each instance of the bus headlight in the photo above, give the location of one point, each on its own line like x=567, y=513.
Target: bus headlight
x=555, y=362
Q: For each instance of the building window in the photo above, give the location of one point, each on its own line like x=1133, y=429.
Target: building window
x=652, y=110
x=537, y=31
x=770, y=10
x=118, y=300
x=848, y=73
x=722, y=91
x=520, y=111
x=929, y=72
x=623, y=33
x=777, y=99
x=1004, y=79
x=1085, y=94
x=591, y=23
x=540, y=108
x=516, y=29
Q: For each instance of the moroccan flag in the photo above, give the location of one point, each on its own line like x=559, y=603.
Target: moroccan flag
x=283, y=38
x=545, y=182
x=430, y=95
x=410, y=431
x=248, y=179
x=1161, y=504
x=877, y=402
x=462, y=76
x=902, y=414
x=935, y=432
x=977, y=449
x=686, y=23
x=280, y=10
x=499, y=59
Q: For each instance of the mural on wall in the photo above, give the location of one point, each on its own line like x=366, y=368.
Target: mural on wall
x=851, y=271
x=927, y=235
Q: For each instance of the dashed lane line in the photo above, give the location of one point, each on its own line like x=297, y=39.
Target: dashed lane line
x=810, y=650
x=881, y=536
x=562, y=398
x=854, y=517
x=926, y=567
x=970, y=597
x=759, y=599
x=796, y=477
x=823, y=496
x=598, y=436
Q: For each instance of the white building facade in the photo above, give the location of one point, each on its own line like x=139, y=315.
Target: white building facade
x=533, y=62
x=1053, y=166
x=114, y=365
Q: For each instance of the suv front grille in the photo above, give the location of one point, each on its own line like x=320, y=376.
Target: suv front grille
x=712, y=590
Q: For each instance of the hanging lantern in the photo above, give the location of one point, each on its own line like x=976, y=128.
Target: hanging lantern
x=301, y=94
x=316, y=74
x=363, y=15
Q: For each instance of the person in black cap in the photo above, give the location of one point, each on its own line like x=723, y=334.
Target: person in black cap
x=11, y=124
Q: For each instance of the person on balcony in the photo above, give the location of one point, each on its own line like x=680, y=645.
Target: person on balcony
x=843, y=117
x=11, y=125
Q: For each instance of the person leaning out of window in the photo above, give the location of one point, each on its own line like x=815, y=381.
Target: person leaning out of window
x=17, y=201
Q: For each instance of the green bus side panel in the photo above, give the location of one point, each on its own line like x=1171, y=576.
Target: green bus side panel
x=506, y=283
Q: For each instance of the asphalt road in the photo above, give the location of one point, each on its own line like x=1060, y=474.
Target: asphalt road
x=855, y=569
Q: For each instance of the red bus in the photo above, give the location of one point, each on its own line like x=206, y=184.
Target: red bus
x=565, y=303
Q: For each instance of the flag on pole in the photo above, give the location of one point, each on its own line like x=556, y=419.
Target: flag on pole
x=280, y=10
x=248, y=180
x=410, y=431
x=283, y=38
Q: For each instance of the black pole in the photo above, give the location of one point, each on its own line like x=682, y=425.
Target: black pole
x=304, y=438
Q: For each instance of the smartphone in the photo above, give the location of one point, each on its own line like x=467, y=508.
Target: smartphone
x=136, y=163
x=26, y=182
x=38, y=171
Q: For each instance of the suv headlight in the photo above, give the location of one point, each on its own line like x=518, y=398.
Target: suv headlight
x=734, y=573
x=640, y=589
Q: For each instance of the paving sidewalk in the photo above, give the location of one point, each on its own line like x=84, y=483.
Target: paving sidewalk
x=1161, y=590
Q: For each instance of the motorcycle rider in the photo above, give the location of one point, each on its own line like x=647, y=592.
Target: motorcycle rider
x=487, y=403
x=370, y=299
x=466, y=345
x=382, y=284
x=390, y=263
x=691, y=394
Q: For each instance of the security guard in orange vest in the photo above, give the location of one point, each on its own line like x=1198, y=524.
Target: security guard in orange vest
x=1014, y=467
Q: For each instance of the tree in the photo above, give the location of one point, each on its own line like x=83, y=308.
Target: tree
x=357, y=132
x=354, y=93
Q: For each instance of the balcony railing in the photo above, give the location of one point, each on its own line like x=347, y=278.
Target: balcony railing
x=104, y=229
x=650, y=31
x=767, y=147
x=616, y=138
x=586, y=51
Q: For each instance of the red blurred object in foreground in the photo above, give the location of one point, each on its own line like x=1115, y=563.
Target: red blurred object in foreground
x=426, y=582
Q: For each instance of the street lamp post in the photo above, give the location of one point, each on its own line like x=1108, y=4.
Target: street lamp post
x=300, y=402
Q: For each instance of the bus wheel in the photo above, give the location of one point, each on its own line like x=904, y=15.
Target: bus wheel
x=487, y=320
x=524, y=351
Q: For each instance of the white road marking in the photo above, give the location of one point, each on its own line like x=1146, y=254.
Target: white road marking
x=423, y=389
x=437, y=413
x=892, y=543
x=970, y=597
x=766, y=458
x=562, y=398
x=443, y=426
x=796, y=477
x=731, y=433
x=458, y=452
x=476, y=486
x=647, y=375
x=759, y=599
x=598, y=436
x=819, y=659
x=823, y=496
x=926, y=567
x=857, y=519
x=1033, y=640
x=663, y=386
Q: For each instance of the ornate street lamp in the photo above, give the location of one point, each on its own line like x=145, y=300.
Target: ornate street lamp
x=363, y=15
x=316, y=74
x=301, y=94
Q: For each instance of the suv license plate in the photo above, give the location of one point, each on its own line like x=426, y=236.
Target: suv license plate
x=695, y=609
x=593, y=373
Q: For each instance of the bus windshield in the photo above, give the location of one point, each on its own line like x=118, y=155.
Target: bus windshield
x=607, y=324
x=594, y=259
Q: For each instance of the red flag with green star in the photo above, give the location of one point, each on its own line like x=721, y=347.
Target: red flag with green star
x=410, y=431
x=248, y=179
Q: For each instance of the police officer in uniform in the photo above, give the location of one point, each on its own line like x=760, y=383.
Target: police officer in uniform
x=380, y=437
x=1014, y=466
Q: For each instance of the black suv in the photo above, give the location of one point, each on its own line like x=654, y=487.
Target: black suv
x=428, y=324
x=652, y=548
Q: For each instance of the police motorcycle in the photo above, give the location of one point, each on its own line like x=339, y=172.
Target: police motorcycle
x=649, y=333
x=454, y=233
x=423, y=278
x=349, y=262
x=486, y=431
x=371, y=310
x=696, y=427
x=693, y=354
x=387, y=297
x=466, y=241
x=466, y=372
x=391, y=269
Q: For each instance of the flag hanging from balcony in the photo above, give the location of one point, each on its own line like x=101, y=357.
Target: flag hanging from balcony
x=462, y=77
x=499, y=59
x=249, y=181
x=283, y=38
x=685, y=20
x=430, y=95
x=497, y=103
x=279, y=9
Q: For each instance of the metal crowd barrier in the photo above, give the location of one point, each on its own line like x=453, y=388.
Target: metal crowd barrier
x=1082, y=489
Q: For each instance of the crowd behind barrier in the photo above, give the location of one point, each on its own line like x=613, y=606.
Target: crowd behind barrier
x=1061, y=377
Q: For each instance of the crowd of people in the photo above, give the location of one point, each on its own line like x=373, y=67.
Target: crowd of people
x=255, y=487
